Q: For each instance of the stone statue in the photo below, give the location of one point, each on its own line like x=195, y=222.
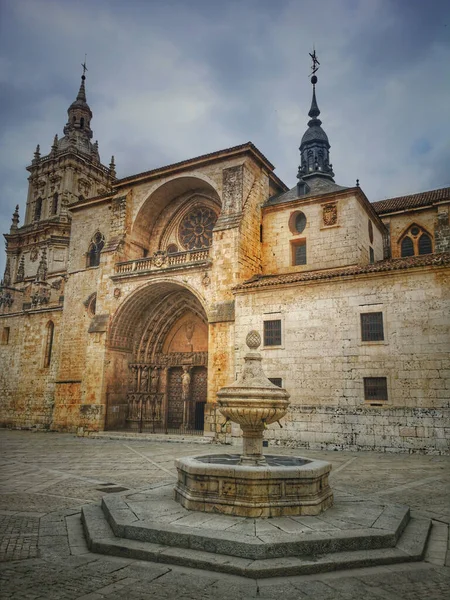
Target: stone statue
x=154, y=380
x=185, y=384
x=144, y=379
x=185, y=392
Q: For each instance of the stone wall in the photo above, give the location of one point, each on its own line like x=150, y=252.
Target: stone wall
x=331, y=241
x=27, y=386
x=322, y=360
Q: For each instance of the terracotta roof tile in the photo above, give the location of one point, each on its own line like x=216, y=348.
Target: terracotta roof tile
x=412, y=201
x=393, y=264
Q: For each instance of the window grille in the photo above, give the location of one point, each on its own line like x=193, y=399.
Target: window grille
x=299, y=252
x=425, y=246
x=372, y=327
x=272, y=333
x=276, y=381
x=407, y=247
x=375, y=388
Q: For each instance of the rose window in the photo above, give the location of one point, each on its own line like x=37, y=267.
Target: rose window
x=196, y=228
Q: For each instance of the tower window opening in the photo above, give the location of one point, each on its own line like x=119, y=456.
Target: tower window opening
x=81, y=123
x=55, y=203
x=38, y=209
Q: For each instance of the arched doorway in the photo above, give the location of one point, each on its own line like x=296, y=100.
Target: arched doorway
x=158, y=343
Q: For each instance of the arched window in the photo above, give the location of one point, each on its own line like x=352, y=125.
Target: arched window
x=425, y=246
x=416, y=241
x=407, y=247
x=49, y=344
x=81, y=123
x=93, y=256
x=38, y=209
x=172, y=249
x=55, y=203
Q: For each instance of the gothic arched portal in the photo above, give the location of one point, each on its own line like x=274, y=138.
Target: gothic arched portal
x=158, y=344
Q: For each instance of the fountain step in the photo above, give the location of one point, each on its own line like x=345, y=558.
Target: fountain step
x=101, y=539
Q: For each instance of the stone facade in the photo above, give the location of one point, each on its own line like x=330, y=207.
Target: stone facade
x=149, y=285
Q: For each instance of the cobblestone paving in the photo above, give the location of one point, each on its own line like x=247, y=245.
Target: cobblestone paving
x=46, y=478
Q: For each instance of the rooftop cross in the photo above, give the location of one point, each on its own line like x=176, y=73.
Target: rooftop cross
x=315, y=62
x=84, y=66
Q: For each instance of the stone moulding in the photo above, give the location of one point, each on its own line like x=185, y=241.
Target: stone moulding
x=264, y=491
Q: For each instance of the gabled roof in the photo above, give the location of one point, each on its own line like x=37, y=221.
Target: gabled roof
x=420, y=200
x=248, y=147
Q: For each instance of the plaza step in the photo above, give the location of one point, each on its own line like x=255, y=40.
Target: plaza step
x=101, y=539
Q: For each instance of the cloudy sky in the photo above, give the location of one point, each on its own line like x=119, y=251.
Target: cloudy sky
x=172, y=79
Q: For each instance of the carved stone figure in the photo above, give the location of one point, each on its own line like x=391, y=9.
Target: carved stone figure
x=144, y=379
x=154, y=380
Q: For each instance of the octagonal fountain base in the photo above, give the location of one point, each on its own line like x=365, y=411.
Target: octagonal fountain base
x=285, y=486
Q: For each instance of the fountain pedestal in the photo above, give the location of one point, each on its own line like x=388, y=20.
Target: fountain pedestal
x=253, y=485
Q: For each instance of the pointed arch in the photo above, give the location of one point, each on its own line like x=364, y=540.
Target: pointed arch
x=94, y=250
x=414, y=240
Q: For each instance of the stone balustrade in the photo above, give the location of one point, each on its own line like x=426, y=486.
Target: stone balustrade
x=161, y=260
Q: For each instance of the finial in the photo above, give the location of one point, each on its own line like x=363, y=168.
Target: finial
x=112, y=167
x=7, y=275
x=357, y=183
x=37, y=153
x=21, y=269
x=82, y=91
x=314, y=67
x=15, y=219
x=83, y=77
x=55, y=143
x=41, y=274
x=253, y=340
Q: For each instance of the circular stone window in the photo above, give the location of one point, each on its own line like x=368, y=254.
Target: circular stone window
x=415, y=230
x=196, y=228
x=297, y=222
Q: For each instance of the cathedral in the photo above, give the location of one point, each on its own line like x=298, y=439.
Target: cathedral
x=125, y=303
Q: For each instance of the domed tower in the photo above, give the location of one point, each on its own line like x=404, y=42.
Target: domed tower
x=70, y=172
x=314, y=147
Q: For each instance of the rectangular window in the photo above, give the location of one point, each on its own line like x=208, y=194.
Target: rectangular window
x=276, y=381
x=299, y=253
x=371, y=256
x=372, y=327
x=375, y=389
x=5, y=335
x=272, y=333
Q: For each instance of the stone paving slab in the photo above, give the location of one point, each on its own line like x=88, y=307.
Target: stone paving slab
x=30, y=459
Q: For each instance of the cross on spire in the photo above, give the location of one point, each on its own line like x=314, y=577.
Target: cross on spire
x=315, y=62
x=84, y=66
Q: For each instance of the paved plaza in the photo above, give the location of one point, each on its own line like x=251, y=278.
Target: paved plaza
x=47, y=477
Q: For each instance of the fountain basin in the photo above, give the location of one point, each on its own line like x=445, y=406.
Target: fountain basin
x=284, y=486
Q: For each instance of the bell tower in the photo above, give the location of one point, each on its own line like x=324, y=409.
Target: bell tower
x=70, y=172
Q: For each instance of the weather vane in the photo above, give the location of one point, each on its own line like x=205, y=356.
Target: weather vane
x=84, y=66
x=315, y=62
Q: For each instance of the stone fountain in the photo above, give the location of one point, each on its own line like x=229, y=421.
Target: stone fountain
x=252, y=484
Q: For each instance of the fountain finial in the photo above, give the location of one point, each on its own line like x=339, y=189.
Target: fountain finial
x=253, y=340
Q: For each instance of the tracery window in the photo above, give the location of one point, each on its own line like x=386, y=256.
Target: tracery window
x=196, y=228
x=93, y=256
x=416, y=241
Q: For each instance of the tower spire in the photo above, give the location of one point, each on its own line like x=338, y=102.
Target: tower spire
x=314, y=148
